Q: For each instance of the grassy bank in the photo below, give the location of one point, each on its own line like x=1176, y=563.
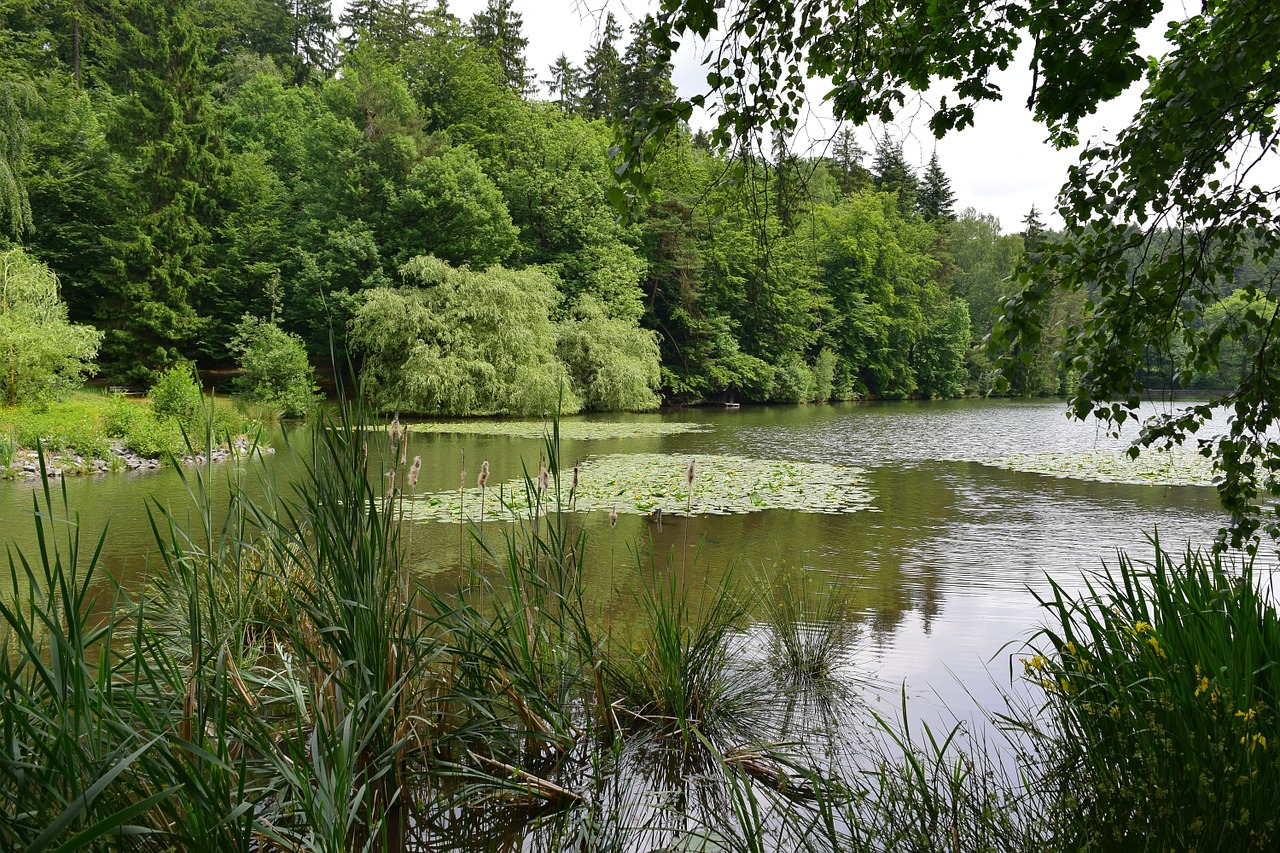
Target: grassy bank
x=284, y=684
x=90, y=432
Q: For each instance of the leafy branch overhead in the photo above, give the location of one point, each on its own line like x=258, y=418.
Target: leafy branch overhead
x=1159, y=223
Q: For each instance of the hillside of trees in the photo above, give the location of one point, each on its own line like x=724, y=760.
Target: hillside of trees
x=401, y=187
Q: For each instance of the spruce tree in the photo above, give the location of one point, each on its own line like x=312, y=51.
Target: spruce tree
x=646, y=70
x=936, y=200
x=498, y=30
x=894, y=175
x=850, y=174
x=602, y=75
x=1032, y=230
x=564, y=83
x=165, y=125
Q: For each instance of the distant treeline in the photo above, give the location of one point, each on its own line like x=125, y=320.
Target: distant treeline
x=181, y=164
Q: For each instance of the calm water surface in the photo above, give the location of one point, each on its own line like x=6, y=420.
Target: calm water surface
x=940, y=573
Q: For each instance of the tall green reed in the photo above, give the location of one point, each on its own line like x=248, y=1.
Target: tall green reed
x=1161, y=691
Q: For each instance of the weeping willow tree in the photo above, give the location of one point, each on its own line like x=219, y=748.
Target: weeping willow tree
x=42, y=355
x=454, y=341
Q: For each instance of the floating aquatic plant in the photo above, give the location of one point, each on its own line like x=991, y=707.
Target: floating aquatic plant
x=1178, y=467
x=569, y=429
x=642, y=483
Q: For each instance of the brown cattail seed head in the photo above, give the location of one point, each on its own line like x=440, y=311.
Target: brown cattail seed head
x=575, y=478
x=404, y=447
x=613, y=516
x=391, y=482
x=484, y=474
x=688, y=474
x=414, y=471
x=544, y=479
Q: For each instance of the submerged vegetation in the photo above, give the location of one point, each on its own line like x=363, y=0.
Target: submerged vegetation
x=283, y=681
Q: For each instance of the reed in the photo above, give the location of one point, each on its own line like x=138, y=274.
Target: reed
x=1161, y=688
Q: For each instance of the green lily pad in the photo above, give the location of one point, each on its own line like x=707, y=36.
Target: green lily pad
x=569, y=429
x=640, y=483
x=1177, y=467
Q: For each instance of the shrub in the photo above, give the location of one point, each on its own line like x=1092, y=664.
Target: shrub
x=177, y=395
x=275, y=367
x=793, y=381
x=824, y=376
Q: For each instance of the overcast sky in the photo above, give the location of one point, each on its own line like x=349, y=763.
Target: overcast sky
x=1001, y=166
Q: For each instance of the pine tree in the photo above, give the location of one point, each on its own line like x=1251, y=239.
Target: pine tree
x=602, y=76
x=936, y=200
x=894, y=175
x=564, y=83
x=497, y=29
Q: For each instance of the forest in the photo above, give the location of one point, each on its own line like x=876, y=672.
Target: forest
x=399, y=187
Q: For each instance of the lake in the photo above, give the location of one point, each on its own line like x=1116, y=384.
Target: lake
x=939, y=555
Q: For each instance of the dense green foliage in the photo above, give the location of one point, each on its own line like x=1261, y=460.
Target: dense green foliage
x=275, y=367
x=42, y=355
x=181, y=165
x=1160, y=224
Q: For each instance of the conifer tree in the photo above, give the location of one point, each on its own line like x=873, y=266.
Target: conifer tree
x=498, y=29
x=894, y=175
x=936, y=199
x=1032, y=230
x=564, y=83
x=646, y=70
x=151, y=296
x=602, y=75
x=850, y=174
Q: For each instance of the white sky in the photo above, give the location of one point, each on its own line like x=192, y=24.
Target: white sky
x=1001, y=166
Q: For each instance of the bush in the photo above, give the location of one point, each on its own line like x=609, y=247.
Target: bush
x=177, y=395
x=42, y=355
x=824, y=376
x=793, y=381
x=275, y=367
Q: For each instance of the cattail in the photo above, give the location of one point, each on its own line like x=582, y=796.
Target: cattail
x=613, y=516
x=395, y=432
x=364, y=459
x=391, y=482
x=483, y=479
x=544, y=479
x=404, y=447
x=575, y=478
x=413, y=472
x=688, y=474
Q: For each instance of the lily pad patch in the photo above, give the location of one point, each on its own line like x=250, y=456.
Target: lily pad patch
x=643, y=483
x=1178, y=467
